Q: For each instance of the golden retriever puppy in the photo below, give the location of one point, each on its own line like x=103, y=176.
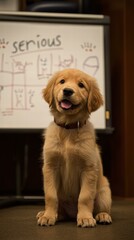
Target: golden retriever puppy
x=74, y=184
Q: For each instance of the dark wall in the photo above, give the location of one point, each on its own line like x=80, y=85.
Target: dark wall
x=21, y=163
x=121, y=142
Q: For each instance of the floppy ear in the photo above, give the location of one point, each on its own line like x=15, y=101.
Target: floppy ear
x=48, y=91
x=95, y=99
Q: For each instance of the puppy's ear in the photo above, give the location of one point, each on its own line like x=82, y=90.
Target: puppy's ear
x=48, y=91
x=95, y=99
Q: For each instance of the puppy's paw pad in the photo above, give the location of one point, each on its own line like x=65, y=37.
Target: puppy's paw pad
x=86, y=222
x=103, y=218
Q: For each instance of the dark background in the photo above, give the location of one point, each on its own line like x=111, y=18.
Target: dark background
x=117, y=148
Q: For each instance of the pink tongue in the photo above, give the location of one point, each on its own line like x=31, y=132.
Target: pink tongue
x=66, y=104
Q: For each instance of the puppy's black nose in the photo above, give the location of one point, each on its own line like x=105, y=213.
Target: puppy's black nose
x=68, y=92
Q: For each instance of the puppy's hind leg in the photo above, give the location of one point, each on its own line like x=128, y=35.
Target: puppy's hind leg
x=103, y=203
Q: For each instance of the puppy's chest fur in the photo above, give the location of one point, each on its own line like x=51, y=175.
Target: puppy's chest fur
x=68, y=166
x=68, y=156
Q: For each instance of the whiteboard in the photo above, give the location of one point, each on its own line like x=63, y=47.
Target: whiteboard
x=30, y=52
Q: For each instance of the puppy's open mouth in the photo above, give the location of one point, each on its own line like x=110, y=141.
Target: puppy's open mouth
x=66, y=105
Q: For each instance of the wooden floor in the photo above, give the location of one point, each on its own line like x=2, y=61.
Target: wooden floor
x=19, y=222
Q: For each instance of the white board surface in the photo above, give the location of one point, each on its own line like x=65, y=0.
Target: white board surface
x=30, y=52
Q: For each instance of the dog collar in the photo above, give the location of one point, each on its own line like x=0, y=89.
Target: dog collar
x=75, y=125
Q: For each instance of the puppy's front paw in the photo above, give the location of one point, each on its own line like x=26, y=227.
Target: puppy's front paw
x=86, y=222
x=103, y=218
x=40, y=214
x=46, y=219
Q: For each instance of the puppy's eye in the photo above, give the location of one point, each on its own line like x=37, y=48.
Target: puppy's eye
x=62, y=81
x=81, y=85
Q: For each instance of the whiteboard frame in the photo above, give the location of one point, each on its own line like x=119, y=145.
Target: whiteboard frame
x=61, y=18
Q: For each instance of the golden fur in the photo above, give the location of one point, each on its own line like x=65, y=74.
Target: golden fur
x=74, y=184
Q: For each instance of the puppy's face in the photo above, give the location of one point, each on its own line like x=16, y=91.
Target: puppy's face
x=71, y=90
